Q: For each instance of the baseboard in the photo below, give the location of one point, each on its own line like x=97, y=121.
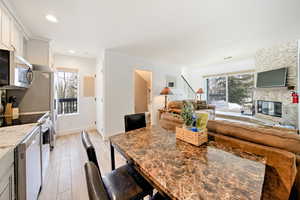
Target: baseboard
x=73, y=131
x=103, y=137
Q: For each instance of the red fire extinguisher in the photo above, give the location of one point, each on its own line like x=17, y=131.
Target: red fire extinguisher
x=295, y=97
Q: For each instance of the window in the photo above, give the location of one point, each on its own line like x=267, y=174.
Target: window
x=240, y=93
x=231, y=93
x=67, y=91
x=216, y=91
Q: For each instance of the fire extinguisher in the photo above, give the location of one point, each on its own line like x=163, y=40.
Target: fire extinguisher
x=295, y=97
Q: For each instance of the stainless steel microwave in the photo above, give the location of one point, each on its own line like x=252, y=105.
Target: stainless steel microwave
x=15, y=72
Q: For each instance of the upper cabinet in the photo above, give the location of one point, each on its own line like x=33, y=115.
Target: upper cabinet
x=5, y=29
x=16, y=39
x=12, y=38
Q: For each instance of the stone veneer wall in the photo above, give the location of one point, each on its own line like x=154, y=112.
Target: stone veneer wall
x=283, y=55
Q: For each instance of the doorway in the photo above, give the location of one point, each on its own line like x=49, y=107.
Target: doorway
x=143, y=93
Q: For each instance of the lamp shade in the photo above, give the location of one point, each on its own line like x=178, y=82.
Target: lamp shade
x=200, y=91
x=166, y=91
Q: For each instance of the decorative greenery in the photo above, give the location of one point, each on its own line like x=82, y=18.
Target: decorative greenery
x=187, y=113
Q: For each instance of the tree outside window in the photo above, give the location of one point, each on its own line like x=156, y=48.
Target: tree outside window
x=240, y=92
x=232, y=93
x=67, y=92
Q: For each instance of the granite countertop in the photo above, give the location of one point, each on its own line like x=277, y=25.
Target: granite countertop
x=184, y=171
x=12, y=135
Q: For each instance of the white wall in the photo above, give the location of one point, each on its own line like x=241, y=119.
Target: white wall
x=99, y=94
x=119, y=88
x=195, y=75
x=38, y=52
x=86, y=117
x=298, y=67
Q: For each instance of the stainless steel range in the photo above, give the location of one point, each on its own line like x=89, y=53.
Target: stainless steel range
x=47, y=142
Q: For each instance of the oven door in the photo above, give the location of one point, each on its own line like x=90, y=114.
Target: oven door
x=45, y=149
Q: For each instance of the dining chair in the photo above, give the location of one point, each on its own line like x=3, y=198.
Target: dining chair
x=95, y=185
x=134, y=121
x=158, y=196
x=123, y=183
x=89, y=148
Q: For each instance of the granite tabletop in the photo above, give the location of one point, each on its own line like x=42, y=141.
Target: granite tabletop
x=10, y=136
x=187, y=172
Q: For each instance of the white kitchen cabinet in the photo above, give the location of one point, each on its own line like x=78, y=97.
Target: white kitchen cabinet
x=5, y=30
x=7, y=187
x=11, y=35
x=14, y=36
x=20, y=43
x=16, y=39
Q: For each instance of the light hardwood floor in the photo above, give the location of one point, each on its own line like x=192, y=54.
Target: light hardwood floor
x=65, y=178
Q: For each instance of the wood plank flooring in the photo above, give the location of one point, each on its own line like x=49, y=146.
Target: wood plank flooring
x=65, y=178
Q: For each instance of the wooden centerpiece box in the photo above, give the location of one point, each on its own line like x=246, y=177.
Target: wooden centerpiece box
x=195, y=138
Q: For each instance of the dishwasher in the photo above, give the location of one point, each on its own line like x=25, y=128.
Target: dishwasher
x=28, y=166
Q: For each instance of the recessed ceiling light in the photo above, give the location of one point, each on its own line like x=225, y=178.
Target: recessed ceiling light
x=51, y=18
x=71, y=51
x=227, y=58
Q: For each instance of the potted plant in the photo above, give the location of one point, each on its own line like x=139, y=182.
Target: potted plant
x=187, y=114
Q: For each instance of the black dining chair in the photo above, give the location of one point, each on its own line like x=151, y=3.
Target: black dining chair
x=89, y=148
x=159, y=196
x=123, y=183
x=95, y=185
x=134, y=121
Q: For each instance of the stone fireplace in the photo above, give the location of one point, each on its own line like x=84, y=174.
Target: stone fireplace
x=283, y=55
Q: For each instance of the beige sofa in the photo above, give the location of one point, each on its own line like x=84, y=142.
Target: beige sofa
x=171, y=119
x=280, y=147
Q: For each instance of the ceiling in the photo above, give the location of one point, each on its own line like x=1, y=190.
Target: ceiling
x=192, y=32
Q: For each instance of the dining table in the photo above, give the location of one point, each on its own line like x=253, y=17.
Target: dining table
x=183, y=171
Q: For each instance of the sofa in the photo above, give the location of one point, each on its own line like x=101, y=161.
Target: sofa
x=171, y=118
x=280, y=147
x=176, y=106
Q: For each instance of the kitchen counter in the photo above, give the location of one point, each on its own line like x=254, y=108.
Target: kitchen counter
x=4, y=151
x=12, y=135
